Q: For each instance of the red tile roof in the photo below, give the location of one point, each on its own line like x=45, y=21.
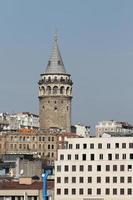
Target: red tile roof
x=14, y=185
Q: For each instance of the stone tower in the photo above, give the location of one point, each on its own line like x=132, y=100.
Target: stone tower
x=55, y=94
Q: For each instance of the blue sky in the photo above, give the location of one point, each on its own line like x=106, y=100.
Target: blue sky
x=96, y=43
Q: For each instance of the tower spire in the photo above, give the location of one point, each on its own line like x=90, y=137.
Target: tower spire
x=55, y=63
x=55, y=37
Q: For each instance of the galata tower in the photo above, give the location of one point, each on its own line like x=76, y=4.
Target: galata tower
x=55, y=93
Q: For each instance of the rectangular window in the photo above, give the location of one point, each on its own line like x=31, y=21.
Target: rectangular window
x=92, y=157
x=107, y=179
x=70, y=146
x=58, y=179
x=123, y=156
x=69, y=156
x=122, y=179
x=81, y=179
x=122, y=167
x=76, y=156
x=107, y=191
x=91, y=146
x=107, y=168
x=66, y=168
x=131, y=156
x=109, y=156
x=89, y=179
x=117, y=156
x=100, y=146
x=122, y=191
x=58, y=191
x=65, y=191
x=100, y=156
x=89, y=168
x=117, y=145
x=81, y=168
x=98, y=191
x=114, y=168
x=84, y=146
x=123, y=145
x=89, y=191
x=98, y=168
x=81, y=191
x=98, y=179
x=61, y=157
x=65, y=179
x=114, y=179
x=129, y=179
x=77, y=146
x=73, y=168
x=129, y=191
x=114, y=191
x=130, y=145
x=108, y=145
x=73, y=191
x=83, y=156
x=58, y=168
x=129, y=167
x=73, y=179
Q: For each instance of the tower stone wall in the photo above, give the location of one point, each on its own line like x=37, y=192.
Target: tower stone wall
x=55, y=94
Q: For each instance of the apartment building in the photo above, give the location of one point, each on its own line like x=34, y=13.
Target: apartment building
x=113, y=127
x=82, y=130
x=95, y=169
x=16, y=121
x=42, y=144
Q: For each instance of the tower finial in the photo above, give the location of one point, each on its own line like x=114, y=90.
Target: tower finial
x=55, y=36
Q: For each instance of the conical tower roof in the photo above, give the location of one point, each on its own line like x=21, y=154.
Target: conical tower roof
x=55, y=63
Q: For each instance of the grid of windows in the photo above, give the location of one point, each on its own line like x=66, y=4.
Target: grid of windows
x=115, y=164
x=115, y=191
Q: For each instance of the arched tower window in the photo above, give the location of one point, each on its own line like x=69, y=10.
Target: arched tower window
x=48, y=90
x=68, y=91
x=62, y=90
x=49, y=79
x=55, y=90
x=55, y=78
x=43, y=90
x=62, y=79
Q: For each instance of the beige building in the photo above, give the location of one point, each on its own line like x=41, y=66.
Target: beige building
x=40, y=144
x=55, y=94
x=95, y=169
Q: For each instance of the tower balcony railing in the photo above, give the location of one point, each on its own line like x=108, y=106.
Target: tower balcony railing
x=69, y=82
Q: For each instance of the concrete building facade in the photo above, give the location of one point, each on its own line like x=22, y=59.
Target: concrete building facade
x=55, y=94
x=95, y=169
x=21, y=120
x=113, y=127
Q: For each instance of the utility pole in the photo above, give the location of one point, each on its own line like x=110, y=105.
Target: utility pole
x=44, y=179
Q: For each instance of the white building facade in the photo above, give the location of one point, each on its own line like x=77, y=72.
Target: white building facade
x=82, y=130
x=114, y=127
x=95, y=169
x=22, y=120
